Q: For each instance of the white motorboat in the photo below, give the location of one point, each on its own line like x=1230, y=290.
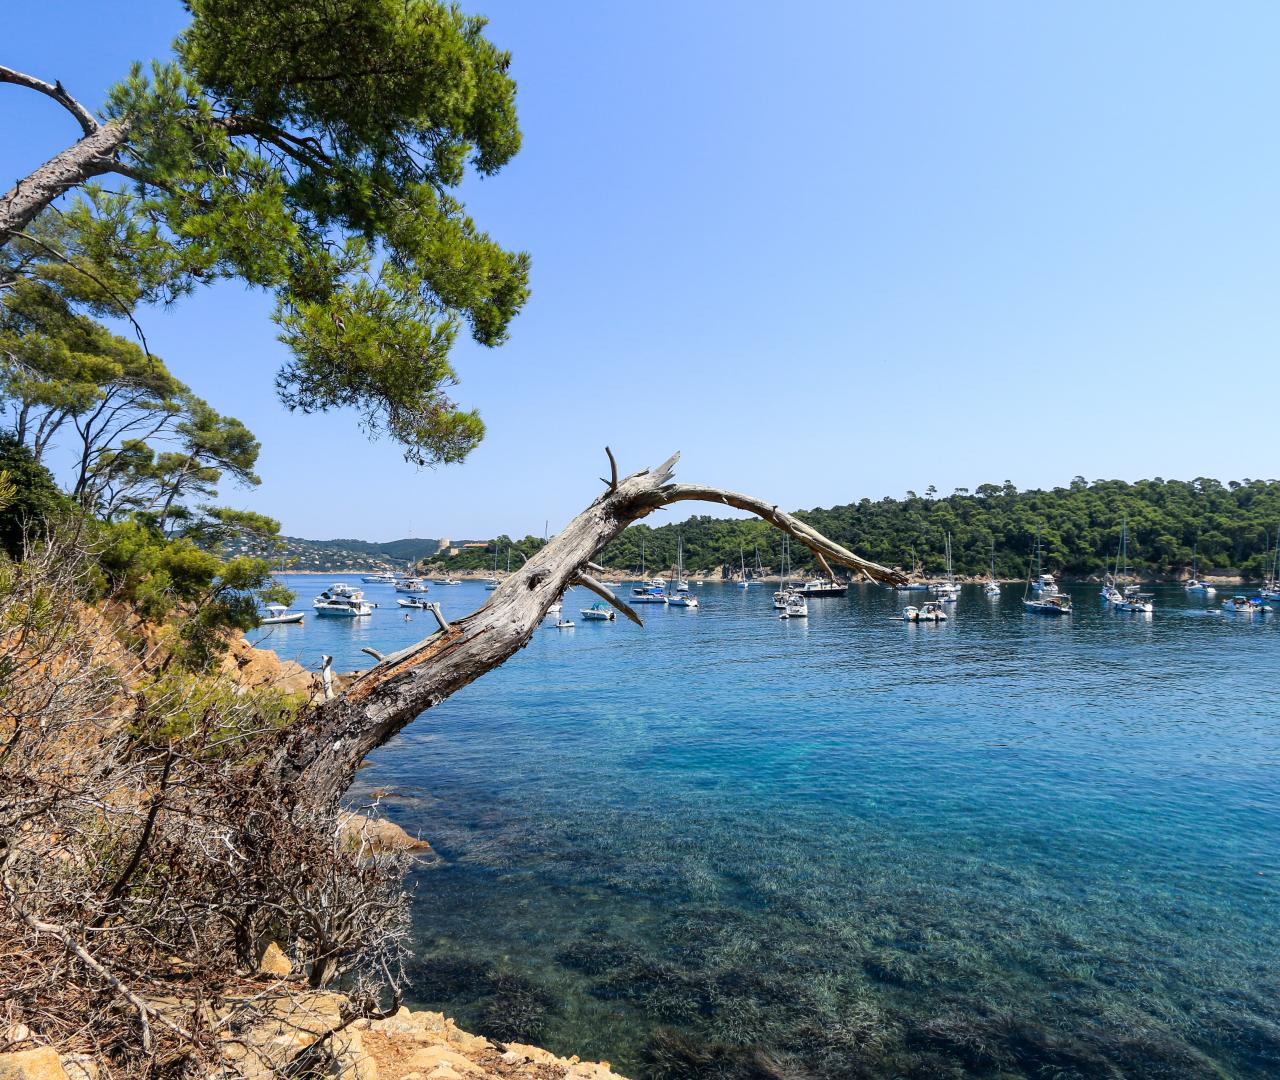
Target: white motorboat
x=1246, y=605
x=929, y=611
x=411, y=602
x=379, y=579
x=341, y=588
x=450, y=581
x=1110, y=593
x=685, y=600
x=277, y=614
x=648, y=594
x=350, y=604
x=797, y=607
x=598, y=612
x=560, y=624
x=1132, y=600
x=1045, y=585
x=411, y=585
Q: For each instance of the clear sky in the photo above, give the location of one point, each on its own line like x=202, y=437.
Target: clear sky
x=828, y=251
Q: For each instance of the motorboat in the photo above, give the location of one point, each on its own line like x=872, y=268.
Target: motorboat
x=598, y=612
x=341, y=588
x=277, y=614
x=1045, y=585
x=796, y=607
x=685, y=600
x=820, y=587
x=992, y=588
x=411, y=585
x=648, y=594
x=1133, y=600
x=1247, y=605
x=929, y=611
x=411, y=602
x=350, y=604
x=379, y=579
x=1111, y=594
x=561, y=624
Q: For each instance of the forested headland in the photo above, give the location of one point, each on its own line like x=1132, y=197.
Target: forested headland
x=1226, y=526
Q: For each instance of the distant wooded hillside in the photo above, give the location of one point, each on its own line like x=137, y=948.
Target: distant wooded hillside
x=1231, y=525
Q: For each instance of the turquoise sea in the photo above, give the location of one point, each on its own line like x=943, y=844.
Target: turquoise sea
x=736, y=847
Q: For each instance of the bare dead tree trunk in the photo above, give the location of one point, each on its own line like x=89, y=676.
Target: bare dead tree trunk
x=317, y=756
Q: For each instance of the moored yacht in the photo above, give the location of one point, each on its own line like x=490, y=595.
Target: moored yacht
x=350, y=603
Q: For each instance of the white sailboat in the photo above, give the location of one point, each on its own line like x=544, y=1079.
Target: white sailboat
x=780, y=597
x=681, y=597
x=1130, y=598
x=1271, y=587
x=947, y=590
x=1045, y=604
x=742, y=564
x=992, y=587
x=491, y=582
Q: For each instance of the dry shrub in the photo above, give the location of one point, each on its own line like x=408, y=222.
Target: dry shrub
x=143, y=864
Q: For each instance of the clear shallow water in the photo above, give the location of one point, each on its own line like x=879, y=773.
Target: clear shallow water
x=1008, y=845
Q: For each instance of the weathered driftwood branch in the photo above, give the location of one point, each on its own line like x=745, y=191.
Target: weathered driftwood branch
x=317, y=755
x=612, y=483
x=605, y=593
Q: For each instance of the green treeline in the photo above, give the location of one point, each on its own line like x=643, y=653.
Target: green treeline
x=1230, y=525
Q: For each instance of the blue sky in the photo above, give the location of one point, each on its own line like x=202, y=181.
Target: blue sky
x=827, y=252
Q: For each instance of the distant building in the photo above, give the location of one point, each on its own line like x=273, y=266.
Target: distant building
x=444, y=546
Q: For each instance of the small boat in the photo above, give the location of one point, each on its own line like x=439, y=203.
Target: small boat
x=648, y=594
x=278, y=613
x=379, y=579
x=1195, y=585
x=450, y=581
x=820, y=587
x=796, y=607
x=929, y=611
x=992, y=586
x=556, y=608
x=784, y=590
x=947, y=590
x=350, y=604
x=411, y=585
x=411, y=602
x=1246, y=605
x=598, y=612
x=1130, y=598
x=681, y=597
x=1050, y=604
x=1045, y=585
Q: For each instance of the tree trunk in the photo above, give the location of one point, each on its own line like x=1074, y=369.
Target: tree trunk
x=316, y=757
x=94, y=155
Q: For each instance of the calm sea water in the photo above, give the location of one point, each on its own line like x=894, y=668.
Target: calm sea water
x=732, y=846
